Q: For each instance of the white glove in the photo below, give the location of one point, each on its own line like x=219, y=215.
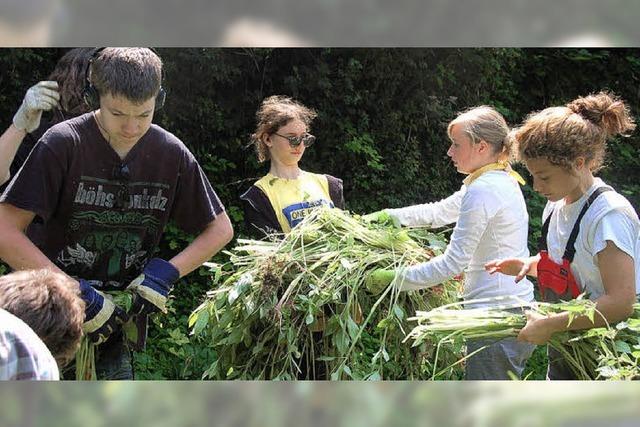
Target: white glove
x=40, y=97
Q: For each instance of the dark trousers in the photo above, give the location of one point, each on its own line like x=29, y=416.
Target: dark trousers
x=558, y=368
x=113, y=360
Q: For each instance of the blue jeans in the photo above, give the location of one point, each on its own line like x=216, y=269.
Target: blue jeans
x=113, y=359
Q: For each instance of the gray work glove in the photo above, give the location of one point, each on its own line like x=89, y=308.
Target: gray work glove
x=40, y=97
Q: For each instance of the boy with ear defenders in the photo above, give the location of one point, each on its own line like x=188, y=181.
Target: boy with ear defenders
x=105, y=185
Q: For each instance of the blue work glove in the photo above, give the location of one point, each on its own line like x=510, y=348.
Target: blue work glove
x=152, y=287
x=382, y=217
x=101, y=316
x=378, y=280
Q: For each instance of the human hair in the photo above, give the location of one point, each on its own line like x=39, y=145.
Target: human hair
x=484, y=123
x=132, y=72
x=274, y=112
x=69, y=72
x=50, y=303
x=578, y=129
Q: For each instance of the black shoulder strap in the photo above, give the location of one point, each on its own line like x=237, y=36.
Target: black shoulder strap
x=542, y=241
x=570, y=250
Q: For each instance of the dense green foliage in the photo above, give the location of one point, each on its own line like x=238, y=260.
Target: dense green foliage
x=381, y=127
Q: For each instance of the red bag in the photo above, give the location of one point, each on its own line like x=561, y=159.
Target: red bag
x=556, y=281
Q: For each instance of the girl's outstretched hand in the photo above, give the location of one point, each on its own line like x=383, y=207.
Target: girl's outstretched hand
x=518, y=267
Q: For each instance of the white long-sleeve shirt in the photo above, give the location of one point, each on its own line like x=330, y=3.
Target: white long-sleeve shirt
x=491, y=223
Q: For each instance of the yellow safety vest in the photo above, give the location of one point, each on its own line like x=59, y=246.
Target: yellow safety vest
x=293, y=199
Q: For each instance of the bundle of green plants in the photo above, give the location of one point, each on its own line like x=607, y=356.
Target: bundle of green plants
x=609, y=352
x=296, y=306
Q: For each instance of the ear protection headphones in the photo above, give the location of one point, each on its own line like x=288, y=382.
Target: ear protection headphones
x=91, y=96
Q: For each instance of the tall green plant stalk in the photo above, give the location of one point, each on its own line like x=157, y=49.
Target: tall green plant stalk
x=610, y=352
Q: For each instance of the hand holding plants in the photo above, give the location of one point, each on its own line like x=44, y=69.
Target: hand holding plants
x=379, y=279
x=538, y=329
x=381, y=217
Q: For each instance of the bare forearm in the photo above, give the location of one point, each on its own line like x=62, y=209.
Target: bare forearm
x=208, y=243
x=20, y=253
x=9, y=143
x=609, y=310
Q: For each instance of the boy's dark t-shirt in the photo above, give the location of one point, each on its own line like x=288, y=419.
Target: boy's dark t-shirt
x=104, y=216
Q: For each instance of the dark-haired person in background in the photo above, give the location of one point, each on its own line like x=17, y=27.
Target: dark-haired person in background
x=61, y=93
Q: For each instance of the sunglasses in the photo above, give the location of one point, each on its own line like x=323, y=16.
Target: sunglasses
x=122, y=174
x=307, y=139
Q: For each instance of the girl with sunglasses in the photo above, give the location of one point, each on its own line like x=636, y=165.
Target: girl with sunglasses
x=591, y=234
x=283, y=197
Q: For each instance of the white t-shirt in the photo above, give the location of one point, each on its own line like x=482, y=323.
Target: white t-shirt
x=491, y=223
x=610, y=218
